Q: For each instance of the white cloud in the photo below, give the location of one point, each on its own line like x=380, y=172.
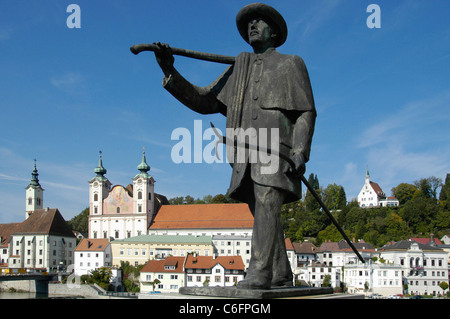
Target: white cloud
x=69, y=82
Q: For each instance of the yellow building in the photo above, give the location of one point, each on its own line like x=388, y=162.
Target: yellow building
x=140, y=249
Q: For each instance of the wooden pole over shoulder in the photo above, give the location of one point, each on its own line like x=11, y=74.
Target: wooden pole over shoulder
x=211, y=57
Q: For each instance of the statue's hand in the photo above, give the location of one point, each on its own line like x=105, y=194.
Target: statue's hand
x=299, y=162
x=164, y=57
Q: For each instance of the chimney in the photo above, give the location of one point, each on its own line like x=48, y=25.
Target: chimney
x=432, y=242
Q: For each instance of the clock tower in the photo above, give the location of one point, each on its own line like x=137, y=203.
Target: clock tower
x=99, y=188
x=144, y=192
x=34, y=194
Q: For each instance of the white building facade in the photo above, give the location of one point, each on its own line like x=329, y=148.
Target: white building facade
x=121, y=212
x=163, y=275
x=92, y=254
x=423, y=267
x=211, y=271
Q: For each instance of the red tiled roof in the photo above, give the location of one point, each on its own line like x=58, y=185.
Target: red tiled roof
x=41, y=221
x=288, y=244
x=98, y=244
x=377, y=189
x=203, y=216
x=159, y=265
x=208, y=262
x=6, y=230
x=305, y=248
x=426, y=241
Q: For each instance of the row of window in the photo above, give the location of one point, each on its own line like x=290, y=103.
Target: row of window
x=30, y=201
x=160, y=253
x=89, y=255
x=88, y=264
x=207, y=278
x=415, y=262
x=41, y=243
x=16, y=261
x=116, y=233
x=230, y=243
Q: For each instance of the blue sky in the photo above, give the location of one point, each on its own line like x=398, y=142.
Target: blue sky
x=382, y=95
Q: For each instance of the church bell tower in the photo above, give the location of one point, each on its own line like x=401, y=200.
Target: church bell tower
x=34, y=194
x=144, y=191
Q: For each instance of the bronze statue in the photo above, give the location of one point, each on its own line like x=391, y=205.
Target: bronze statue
x=262, y=89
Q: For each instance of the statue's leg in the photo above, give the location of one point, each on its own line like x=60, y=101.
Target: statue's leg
x=282, y=272
x=266, y=209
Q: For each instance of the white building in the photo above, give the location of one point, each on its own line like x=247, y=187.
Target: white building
x=371, y=195
x=163, y=275
x=373, y=278
x=122, y=212
x=212, y=271
x=423, y=267
x=228, y=245
x=92, y=254
x=43, y=241
x=314, y=274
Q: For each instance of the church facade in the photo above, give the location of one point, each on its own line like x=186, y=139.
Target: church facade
x=118, y=212
x=371, y=195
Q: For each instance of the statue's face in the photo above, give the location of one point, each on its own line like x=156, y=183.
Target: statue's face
x=259, y=32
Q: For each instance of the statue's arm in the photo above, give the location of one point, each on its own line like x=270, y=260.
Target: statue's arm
x=199, y=99
x=304, y=124
x=202, y=100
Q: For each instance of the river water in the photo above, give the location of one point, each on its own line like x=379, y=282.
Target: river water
x=30, y=295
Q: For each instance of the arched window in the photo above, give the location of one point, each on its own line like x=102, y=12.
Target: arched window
x=118, y=210
x=139, y=195
x=95, y=197
x=139, y=208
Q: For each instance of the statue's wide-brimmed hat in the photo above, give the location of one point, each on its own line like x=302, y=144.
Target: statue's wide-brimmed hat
x=268, y=14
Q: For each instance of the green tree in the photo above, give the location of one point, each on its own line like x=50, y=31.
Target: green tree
x=334, y=197
x=444, y=286
x=154, y=283
x=329, y=233
x=396, y=228
x=444, y=195
x=80, y=222
x=326, y=281
x=176, y=200
x=102, y=277
x=188, y=200
x=130, y=276
x=310, y=202
x=404, y=192
x=219, y=199
x=420, y=214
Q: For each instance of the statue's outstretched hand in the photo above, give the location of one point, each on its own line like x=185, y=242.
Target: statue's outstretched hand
x=164, y=57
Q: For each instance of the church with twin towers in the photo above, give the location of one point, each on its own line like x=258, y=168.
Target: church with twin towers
x=118, y=212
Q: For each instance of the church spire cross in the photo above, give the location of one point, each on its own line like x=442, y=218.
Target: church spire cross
x=143, y=167
x=100, y=170
x=34, y=177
